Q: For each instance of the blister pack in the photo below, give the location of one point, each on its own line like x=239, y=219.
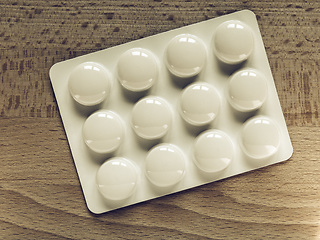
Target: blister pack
x=171, y=112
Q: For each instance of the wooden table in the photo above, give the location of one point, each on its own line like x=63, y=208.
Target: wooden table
x=40, y=192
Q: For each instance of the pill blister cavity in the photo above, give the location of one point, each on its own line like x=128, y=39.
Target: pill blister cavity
x=89, y=84
x=247, y=90
x=233, y=42
x=185, y=56
x=165, y=165
x=137, y=70
x=151, y=118
x=103, y=132
x=260, y=138
x=213, y=151
x=199, y=104
x=117, y=179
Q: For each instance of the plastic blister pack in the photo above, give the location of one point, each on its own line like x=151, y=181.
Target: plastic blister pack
x=171, y=111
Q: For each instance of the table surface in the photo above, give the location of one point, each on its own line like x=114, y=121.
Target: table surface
x=40, y=194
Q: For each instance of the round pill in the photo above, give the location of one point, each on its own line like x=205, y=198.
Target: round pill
x=137, y=69
x=247, y=90
x=213, y=151
x=165, y=165
x=151, y=118
x=233, y=42
x=89, y=84
x=260, y=138
x=185, y=56
x=199, y=104
x=117, y=178
x=103, y=132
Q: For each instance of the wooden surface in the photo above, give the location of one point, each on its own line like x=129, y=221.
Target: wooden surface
x=40, y=195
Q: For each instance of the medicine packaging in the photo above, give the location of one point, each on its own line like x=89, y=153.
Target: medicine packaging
x=171, y=112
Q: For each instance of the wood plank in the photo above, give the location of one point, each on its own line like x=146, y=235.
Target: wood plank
x=40, y=194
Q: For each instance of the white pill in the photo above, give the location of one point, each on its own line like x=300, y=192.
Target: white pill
x=247, y=90
x=117, y=178
x=213, y=151
x=103, y=132
x=137, y=69
x=151, y=118
x=260, y=137
x=199, y=104
x=89, y=84
x=185, y=56
x=233, y=42
x=165, y=165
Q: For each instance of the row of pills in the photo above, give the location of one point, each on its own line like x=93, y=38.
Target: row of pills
x=103, y=132
x=199, y=102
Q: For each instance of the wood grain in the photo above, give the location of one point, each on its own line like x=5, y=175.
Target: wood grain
x=40, y=193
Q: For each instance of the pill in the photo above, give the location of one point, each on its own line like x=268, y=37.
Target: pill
x=89, y=84
x=137, y=69
x=247, y=90
x=151, y=117
x=199, y=104
x=213, y=151
x=233, y=42
x=260, y=137
x=103, y=132
x=165, y=165
x=185, y=56
x=117, y=179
